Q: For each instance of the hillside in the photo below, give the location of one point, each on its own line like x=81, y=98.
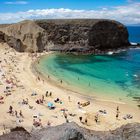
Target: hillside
x=66, y=35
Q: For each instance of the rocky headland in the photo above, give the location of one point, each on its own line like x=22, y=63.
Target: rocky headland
x=71, y=35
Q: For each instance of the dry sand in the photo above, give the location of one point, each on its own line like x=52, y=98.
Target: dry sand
x=18, y=66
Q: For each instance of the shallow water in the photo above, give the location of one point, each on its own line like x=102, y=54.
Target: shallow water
x=108, y=77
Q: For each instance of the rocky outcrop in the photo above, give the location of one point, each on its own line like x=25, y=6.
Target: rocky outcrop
x=71, y=131
x=66, y=35
x=1, y=37
x=25, y=36
x=85, y=34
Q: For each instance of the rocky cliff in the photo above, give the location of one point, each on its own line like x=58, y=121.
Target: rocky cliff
x=25, y=36
x=71, y=131
x=66, y=35
x=85, y=34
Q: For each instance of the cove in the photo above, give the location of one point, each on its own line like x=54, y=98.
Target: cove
x=114, y=77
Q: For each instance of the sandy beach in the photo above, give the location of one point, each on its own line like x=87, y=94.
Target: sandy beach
x=20, y=88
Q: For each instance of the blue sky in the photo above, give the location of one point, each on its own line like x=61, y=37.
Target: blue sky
x=24, y=5
x=125, y=11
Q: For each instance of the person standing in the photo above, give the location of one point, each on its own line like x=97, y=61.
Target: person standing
x=20, y=114
x=69, y=98
x=117, y=116
x=80, y=118
x=86, y=121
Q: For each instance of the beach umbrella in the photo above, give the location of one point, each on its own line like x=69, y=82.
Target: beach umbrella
x=50, y=104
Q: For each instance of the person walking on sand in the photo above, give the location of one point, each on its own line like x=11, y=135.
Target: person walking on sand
x=117, y=116
x=118, y=109
x=20, y=114
x=16, y=114
x=80, y=118
x=79, y=105
x=65, y=115
x=49, y=123
x=38, y=78
x=50, y=94
x=42, y=97
x=86, y=121
x=10, y=109
x=40, y=123
x=27, y=101
x=96, y=118
x=69, y=98
x=46, y=93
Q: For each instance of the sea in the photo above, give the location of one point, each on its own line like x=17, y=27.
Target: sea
x=109, y=77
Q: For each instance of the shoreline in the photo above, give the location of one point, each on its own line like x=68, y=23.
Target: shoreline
x=53, y=82
x=27, y=84
x=70, y=88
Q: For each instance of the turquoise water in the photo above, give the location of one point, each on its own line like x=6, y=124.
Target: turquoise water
x=110, y=77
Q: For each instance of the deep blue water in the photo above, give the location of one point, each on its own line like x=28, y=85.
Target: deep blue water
x=134, y=33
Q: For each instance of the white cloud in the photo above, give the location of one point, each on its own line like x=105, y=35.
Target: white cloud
x=16, y=2
x=127, y=14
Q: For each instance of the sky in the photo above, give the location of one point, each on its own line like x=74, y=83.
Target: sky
x=124, y=11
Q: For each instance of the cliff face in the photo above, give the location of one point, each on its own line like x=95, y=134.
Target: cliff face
x=66, y=35
x=85, y=34
x=71, y=131
x=25, y=36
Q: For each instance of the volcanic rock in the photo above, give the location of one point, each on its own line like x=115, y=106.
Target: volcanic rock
x=65, y=35
x=71, y=131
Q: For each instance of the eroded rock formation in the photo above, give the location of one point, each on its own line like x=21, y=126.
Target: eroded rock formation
x=25, y=36
x=71, y=131
x=66, y=35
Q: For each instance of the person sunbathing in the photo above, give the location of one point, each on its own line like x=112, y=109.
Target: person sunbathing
x=1, y=102
x=1, y=98
x=24, y=102
x=37, y=123
x=11, y=110
x=7, y=94
x=37, y=101
x=57, y=100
